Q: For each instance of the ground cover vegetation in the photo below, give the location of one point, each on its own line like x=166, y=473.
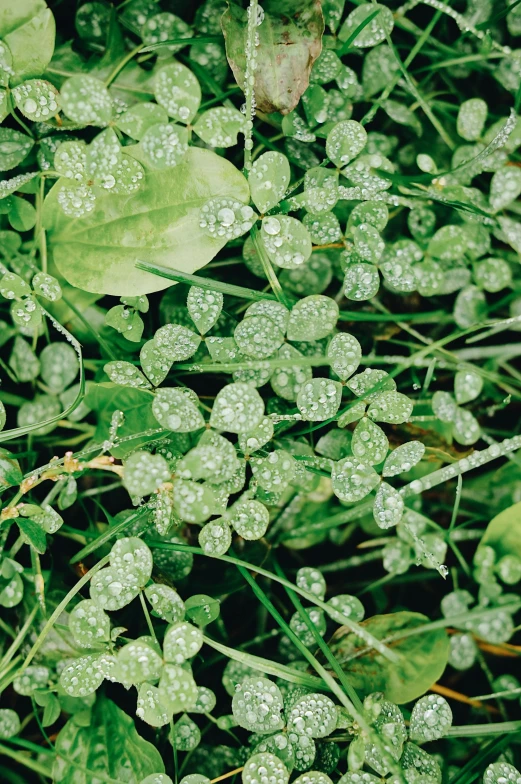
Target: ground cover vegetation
x=260, y=464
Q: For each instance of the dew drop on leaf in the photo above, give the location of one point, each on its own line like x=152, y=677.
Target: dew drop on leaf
x=345, y=141
x=431, y=718
x=178, y=91
x=257, y=705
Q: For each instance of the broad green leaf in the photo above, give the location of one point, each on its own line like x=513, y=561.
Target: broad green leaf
x=6, y=64
x=269, y=180
x=98, y=252
x=423, y=656
x=282, y=72
x=127, y=758
x=28, y=29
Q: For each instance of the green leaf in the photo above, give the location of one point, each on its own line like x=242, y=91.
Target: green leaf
x=106, y=399
x=33, y=534
x=14, y=147
x=312, y=318
x=140, y=117
x=204, y=306
x=269, y=180
x=238, y=408
x=372, y=33
x=9, y=723
x=175, y=410
x=288, y=46
x=286, y=240
x=145, y=472
x=431, y=718
x=59, y=366
x=37, y=99
x=257, y=705
x=28, y=29
x=127, y=757
x=178, y=91
x=345, y=141
x=98, y=252
x=220, y=127
x=503, y=533
x=423, y=656
x=86, y=100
